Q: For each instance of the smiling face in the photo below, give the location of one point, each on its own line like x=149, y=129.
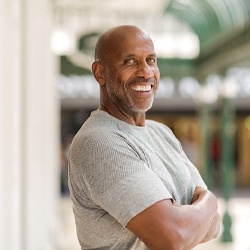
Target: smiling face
x=127, y=73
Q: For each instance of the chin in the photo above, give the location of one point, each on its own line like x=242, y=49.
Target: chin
x=141, y=111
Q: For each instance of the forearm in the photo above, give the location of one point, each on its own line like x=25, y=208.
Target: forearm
x=167, y=225
x=199, y=220
x=193, y=226
x=201, y=199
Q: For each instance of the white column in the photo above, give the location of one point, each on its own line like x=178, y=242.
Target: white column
x=29, y=127
x=10, y=129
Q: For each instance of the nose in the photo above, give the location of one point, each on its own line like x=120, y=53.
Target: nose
x=144, y=70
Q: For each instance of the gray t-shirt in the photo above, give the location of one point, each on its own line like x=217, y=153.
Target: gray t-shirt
x=117, y=170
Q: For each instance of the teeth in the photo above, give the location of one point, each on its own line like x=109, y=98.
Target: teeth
x=141, y=87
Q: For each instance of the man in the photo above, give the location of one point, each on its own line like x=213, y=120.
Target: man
x=131, y=184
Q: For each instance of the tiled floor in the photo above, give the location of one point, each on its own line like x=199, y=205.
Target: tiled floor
x=239, y=209
x=68, y=237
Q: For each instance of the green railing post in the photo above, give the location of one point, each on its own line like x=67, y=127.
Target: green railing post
x=227, y=177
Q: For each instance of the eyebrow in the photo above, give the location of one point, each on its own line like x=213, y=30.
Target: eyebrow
x=132, y=55
x=154, y=54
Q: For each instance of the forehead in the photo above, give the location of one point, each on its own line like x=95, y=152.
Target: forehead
x=131, y=43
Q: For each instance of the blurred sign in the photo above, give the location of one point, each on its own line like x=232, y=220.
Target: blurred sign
x=86, y=87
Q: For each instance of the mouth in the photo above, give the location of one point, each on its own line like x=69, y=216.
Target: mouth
x=142, y=88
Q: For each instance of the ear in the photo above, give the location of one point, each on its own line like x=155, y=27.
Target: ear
x=98, y=72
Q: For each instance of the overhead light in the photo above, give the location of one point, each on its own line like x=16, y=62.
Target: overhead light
x=229, y=88
x=62, y=42
x=184, y=1
x=176, y=45
x=188, y=46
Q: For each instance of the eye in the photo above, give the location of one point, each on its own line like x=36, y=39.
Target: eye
x=129, y=61
x=151, y=60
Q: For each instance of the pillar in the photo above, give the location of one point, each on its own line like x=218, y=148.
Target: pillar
x=244, y=156
x=29, y=127
x=206, y=120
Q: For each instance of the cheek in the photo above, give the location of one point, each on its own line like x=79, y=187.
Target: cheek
x=157, y=73
x=115, y=84
x=157, y=77
x=121, y=81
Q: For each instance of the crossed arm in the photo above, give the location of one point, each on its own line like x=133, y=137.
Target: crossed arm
x=169, y=226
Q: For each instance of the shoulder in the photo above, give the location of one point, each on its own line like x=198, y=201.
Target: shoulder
x=90, y=138
x=97, y=140
x=97, y=128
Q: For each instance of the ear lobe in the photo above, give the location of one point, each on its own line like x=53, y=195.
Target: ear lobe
x=98, y=72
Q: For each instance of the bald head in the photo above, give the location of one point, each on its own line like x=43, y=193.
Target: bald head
x=112, y=38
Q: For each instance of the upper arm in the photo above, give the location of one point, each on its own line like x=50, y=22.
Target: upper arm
x=156, y=226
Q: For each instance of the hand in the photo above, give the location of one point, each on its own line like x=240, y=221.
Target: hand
x=197, y=192
x=214, y=229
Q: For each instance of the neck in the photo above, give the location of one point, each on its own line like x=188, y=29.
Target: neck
x=137, y=120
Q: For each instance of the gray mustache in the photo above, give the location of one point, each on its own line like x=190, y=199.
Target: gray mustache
x=142, y=79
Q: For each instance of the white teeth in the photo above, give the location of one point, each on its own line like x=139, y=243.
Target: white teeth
x=142, y=88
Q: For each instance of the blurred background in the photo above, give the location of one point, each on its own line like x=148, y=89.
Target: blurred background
x=47, y=91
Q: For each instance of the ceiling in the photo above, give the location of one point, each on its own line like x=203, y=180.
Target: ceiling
x=86, y=19
x=210, y=19
x=199, y=26
x=85, y=16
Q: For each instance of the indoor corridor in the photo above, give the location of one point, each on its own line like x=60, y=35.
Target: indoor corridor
x=47, y=91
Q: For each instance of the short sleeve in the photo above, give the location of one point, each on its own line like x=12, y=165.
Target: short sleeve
x=132, y=195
